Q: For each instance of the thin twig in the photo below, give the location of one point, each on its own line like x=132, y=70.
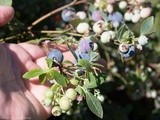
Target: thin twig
x=75, y=2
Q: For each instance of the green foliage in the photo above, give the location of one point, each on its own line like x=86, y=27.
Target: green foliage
x=94, y=104
x=60, y=79
x=147, y=26
x=6, y=2
x=34, y=73
x=130, y=87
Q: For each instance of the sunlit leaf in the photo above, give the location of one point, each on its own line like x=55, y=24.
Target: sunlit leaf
x=49, y=62
x=34, y=73
x=94, y=56
x=84, y=63
x=42, y=78
x=60, y=79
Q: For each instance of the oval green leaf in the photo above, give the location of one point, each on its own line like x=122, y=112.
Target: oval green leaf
x=94, y=104
x=34, y=73
x=147, y=25
x=60, y=79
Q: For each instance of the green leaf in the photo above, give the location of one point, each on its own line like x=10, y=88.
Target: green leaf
x=84, y=63
x=42, y=78
x=34, y=73
x=49, y=62
x=147, y=25
x=60, y=79
x=101, y=78
x=94, y=56
x=121, y=31
x=94, y=104
x=126, y=34
x=6, y=2
x=94, y=80
x=92, y=83
x=79, y=90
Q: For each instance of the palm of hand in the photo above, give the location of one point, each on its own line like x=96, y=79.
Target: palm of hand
x=21, y=100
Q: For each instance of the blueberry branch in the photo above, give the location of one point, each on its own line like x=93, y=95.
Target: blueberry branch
x=75, y=2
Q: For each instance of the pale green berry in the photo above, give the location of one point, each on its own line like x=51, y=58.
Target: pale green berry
x=81, y=15
x=109, y=8
x=83, y=28
x=105, y=37
x=56, y=111
x=145, y=12
x=65, y=103
x=128, y=16
x=48, y=93
x=113, y=34
x=101, y=98
x=122, y=5
x=136, y=17
x=71, y=93
x=47, y=102
x=99, y=26
x=142, y=40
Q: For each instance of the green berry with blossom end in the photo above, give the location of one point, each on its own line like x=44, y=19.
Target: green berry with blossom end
x=56, y=111
x=48, y=93
x=71, y=93
x=65, y=103
x=47, y=102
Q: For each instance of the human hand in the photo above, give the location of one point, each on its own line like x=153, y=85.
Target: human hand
x=6, y=14
x=22, y=99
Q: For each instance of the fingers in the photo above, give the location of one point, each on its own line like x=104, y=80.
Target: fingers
x=68, y=56
x=34, y=51
x=6, y=14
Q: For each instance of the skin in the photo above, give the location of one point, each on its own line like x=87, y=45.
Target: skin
x=21, y=99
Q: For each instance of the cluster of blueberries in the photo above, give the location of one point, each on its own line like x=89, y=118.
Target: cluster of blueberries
x=104, y=29
x=85, y=45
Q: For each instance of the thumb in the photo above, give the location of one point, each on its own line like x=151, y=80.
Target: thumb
x=6, y=14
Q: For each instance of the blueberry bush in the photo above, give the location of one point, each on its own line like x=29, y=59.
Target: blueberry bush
x=116, y=72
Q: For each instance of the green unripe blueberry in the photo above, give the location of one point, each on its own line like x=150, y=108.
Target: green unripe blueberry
x=48, y=93
x=65, y=103
x=71, y=93
x=47, y=102
x=74, y=82
x=56, y=111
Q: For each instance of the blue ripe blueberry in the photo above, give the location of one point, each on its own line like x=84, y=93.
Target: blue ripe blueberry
x=82, y=55
x=130, y=52
x=56, y=56
x=85, y=45
x=96, y=16
x=115, y=17
x=68, y=14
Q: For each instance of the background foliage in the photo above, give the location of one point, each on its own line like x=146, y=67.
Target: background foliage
x=133, y=88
